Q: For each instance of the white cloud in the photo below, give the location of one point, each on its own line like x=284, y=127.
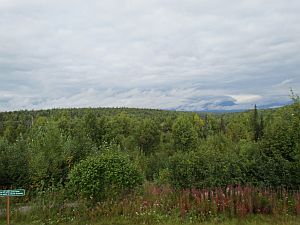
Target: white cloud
x=70, y=53
x=240, y=99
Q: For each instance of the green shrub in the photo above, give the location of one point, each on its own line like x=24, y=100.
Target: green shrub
x=108, y=175
x=14, y=170
x=205, y=170
x=184, y=134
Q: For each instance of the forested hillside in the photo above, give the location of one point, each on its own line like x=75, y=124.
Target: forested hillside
x=184, y=149
x=108, y=153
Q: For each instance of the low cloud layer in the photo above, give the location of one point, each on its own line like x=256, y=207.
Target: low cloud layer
x=186, y=55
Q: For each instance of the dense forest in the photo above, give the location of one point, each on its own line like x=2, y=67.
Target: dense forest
x=104, y=153
x=185, y=149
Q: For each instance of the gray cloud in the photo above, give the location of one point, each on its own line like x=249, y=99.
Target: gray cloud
x=193, y=55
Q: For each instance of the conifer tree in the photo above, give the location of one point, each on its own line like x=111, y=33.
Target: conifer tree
x=255, y=124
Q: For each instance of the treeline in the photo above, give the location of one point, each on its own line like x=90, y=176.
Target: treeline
x=39, y=149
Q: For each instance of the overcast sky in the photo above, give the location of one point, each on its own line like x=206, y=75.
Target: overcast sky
x=168, y=54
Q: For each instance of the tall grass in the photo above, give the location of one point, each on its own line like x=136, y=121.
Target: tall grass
x=155, y=204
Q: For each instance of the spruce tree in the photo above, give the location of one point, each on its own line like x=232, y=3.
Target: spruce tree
x=255, y=124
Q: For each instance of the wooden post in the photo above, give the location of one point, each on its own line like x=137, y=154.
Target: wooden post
x=7, y=210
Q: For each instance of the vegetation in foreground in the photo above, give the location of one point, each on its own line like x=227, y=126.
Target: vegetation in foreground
x=152, y=204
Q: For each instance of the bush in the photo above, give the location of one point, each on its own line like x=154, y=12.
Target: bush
x=205, y=170
x=108, y=175
x=14, y=170
x=184, y=134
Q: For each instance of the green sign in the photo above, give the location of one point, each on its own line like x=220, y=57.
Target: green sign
x=16, y=192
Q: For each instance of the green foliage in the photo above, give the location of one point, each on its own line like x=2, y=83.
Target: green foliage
x=13, y=164
x=148, y=135
x=205, y=169
x=239, y=127
x=40, y=148
x=155, y=163
x=108, y=175
x=211, y=126
x=231, y=148
x=120, y=130
x=10, y=133
x=47, y=163
x=96, y=149
x=257, y=124
x=95, y=128
x=280, y=149
x=199, y=125
x=184, y=134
